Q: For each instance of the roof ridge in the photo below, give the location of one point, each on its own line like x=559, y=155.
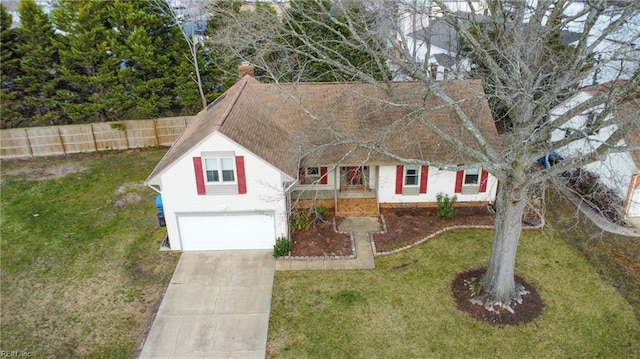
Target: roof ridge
x=232, y=103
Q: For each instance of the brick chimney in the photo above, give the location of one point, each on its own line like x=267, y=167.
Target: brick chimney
x=245, y=68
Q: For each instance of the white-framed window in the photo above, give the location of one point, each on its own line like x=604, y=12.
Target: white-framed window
x=471, y=177
x=411, y=175
x=312, y=174
x=220, y=170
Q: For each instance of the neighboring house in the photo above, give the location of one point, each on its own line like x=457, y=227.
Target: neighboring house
x=619, y=50
x=439, y=45
x=279, y=6
x=619, y=171
x=261, y=150
x=414, y=15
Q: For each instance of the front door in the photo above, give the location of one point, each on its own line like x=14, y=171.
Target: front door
x=353, y=177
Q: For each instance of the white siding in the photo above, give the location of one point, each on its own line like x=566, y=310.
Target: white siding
x=437, y=182
x=615, y=169
x=264, y=189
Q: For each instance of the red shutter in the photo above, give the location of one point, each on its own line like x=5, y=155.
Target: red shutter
x=424, y=173
x=301, y=175
x=242, y=180
x=197, y=167
x=324, y=179
x=459, y=179
x=483, y=181
x=399, y=175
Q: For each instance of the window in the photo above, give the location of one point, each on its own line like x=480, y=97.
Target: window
x=471, y=181
x=219, y=170
x=312, y=174
x=411, y=180
x=411, y=175
x=472, y=176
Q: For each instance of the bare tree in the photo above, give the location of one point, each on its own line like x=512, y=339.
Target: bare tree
x=513, y=52
x=191, y=41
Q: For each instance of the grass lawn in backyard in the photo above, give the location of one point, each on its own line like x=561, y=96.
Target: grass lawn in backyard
x=404, y=308
x=81, y=272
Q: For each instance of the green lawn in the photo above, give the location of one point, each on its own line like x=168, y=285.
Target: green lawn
x=81, y=271
x=404, y=309
x=616, y=258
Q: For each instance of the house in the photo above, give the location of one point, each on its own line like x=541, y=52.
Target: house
x=413, y=15
x=619, y=171
x=262, y=150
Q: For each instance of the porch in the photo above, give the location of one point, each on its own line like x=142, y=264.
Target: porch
x=348, y=190
x=344, y=202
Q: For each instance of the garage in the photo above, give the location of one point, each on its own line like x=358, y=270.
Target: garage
x=205, y=232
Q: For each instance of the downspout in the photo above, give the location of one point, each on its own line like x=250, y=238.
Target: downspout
x=336, y=185
x=153, y=188
x=288, y=189
x=288, y=198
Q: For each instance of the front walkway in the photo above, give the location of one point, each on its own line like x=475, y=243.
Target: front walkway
x=360, y=227
x=217, y=305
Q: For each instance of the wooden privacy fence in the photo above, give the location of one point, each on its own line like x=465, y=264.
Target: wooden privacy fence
x=60, y=140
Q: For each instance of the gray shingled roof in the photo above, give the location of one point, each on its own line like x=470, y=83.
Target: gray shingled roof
x=316, y=123
x=442, y=34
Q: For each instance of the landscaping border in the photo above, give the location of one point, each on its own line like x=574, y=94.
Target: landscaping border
x=437, y=233
x=353, y=254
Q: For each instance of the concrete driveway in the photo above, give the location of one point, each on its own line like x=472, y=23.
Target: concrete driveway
x=216, y=306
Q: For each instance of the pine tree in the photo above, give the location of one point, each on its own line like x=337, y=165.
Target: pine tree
x=10, y=94
x=144, y=42
x=88, y=66
x=331, y=36
x=39, y=66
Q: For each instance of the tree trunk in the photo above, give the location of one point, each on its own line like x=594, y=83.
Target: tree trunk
x=498, y=286
x=194, y=54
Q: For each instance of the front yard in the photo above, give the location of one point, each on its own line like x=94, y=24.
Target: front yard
x=404, y=308
x=81, y=272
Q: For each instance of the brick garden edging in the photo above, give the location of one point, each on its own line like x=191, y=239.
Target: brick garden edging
x=335, y=228
x=437, y=233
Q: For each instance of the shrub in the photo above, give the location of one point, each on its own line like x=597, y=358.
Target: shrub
x=587, y=185
x=299, y=221
x=282, y=247
x=445, y=205
x=582, y=181
x=322, y=212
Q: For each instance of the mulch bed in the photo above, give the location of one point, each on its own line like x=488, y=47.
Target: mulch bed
x=405, y=226
x=409, y=225
x=531, y=306
x=320, y=239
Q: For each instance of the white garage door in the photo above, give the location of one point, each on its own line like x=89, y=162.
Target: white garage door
x=223, y=232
